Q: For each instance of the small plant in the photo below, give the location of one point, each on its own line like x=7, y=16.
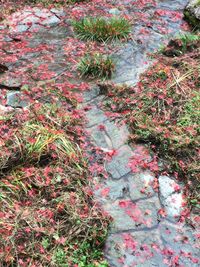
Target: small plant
x=102, y=29
x=181, y=44
x=96, y=66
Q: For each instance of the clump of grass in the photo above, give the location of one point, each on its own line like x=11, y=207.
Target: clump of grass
x=96, y=66
x=48, y=218
x=102, y=29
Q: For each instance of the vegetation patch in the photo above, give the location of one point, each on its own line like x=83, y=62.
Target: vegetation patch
x=48, y=217
x=96, y=66
x=102, y=29
x=50, y=2
x=163, y=111
x=181, y=44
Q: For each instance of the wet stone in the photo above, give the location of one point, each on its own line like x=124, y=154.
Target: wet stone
x=171, y=197
x=42, y=13
x=21, y=28
x=111, y=136
x=131, y=55
x=140, y=185
x=117, y=133
x=99, y=138
x=118, y=166
x=53, y=20
x=58, y=12
x=16, y=99
x=134, y=249
x=110, y=190
x=10, y=81
x=91, y=94
x=114, y=11
x=95, y=116
x=133, y=216
x=30, y=19
x=181, y=241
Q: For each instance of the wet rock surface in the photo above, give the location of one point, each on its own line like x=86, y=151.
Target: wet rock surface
x=139, y=235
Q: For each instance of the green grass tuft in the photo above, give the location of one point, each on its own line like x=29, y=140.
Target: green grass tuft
x=96, y=66
x=102, y=29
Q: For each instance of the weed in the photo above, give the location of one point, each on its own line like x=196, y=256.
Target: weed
x=182, y=43
x=96, y=66
x=43, y=190
x=102, y=29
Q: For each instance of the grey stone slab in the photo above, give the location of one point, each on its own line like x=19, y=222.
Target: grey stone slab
x=91, y=94
x=111, y=137
x=114, y=11
x=30, y=19
x=108, y=191
x=53, y=20
x=16, y=99
x=58, y=12
x=118, y=166
x=118, y=133
x=10, y=81
x=181, y=240
x=134, y=249
x=140, y=185
x=171, y=197
x=41, y=12
x=99, y=138
x=21, y=28
x=95, y=116
x=133, y=216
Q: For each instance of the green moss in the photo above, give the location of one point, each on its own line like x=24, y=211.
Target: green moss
x=192, y=20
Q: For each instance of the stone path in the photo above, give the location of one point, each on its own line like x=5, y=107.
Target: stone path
x=140, y=235
x=145, y=229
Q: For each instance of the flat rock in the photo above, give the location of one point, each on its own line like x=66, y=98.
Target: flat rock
x=31, y=19
x=133, y=216
x=53, y=20
x=140, y=185
x=137, y=249
x=109, y=190
x=111, y=136
x=91, y=94
x=9, y=81
x=170, y=196
x=114, y=11
x=181, y=241
x=58, y=12
x=118, y=166
x=20, y=28
x=95, y=116
x=17, y=99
